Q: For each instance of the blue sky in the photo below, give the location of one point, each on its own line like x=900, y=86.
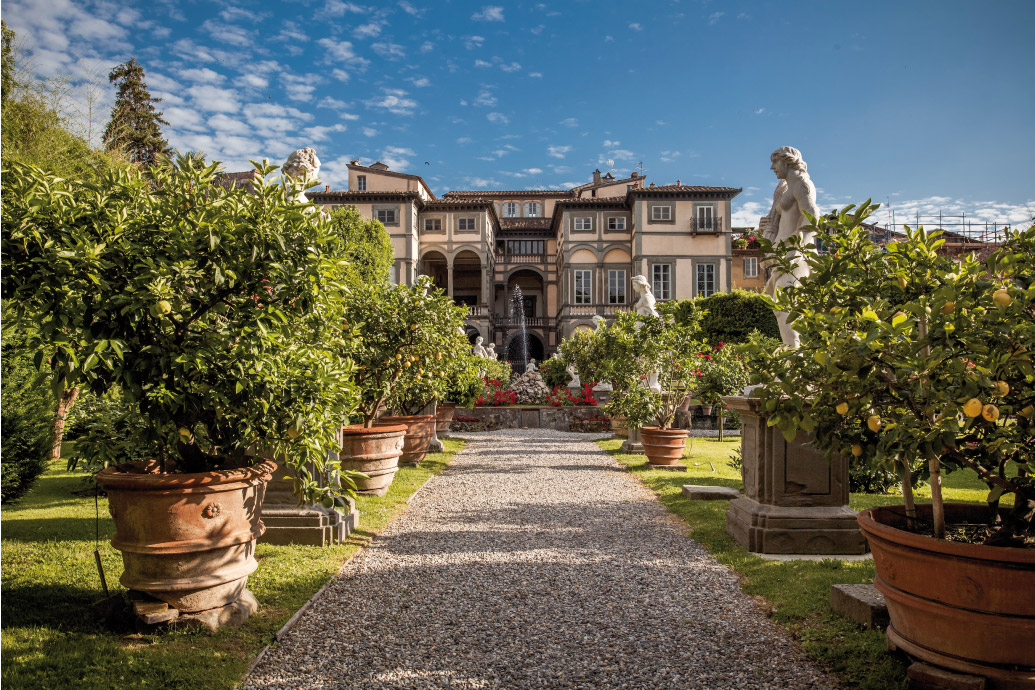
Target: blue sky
x=926, y=105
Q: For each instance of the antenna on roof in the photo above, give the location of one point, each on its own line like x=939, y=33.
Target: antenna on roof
x=611, y=166
x=641, y=168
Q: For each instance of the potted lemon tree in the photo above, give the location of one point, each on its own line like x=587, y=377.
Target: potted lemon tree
x=209, y=308
x=919, y=362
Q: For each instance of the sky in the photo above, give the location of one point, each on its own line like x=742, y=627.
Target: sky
x=922, y=106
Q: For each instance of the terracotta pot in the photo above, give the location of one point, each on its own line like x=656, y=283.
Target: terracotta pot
x=620, y=425
x=685, y=405
x=187, y=539
x=420, y=429
x=706, y=410
x=374, y=452
x=444, y=416
x=965, y=607
x=663, y=446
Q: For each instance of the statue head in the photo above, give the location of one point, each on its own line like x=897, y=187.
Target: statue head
x=599, y=321
x=640, y=284
x=787, y=158
x=478, y=340
x=302, y=163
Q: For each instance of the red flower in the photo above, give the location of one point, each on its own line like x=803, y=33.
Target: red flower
x=707, y=356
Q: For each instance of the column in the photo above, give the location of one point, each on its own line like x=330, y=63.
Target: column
x=449, y=279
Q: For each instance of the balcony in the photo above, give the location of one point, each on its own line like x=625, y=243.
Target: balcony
x=705, y=226
x=509, y=323
x=589, y=310
x=477, y=311
x=520, y=259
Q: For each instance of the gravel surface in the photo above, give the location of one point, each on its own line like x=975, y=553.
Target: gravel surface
x=535, y=561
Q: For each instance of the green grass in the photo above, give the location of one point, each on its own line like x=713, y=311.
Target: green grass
x=796, y=592
x=51, y=638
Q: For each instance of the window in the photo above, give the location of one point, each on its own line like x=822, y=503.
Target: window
x=361, y=183
x=583, y=287
x=705, y=279
x=433, y=225
x=662, y=213
x=616, y=223
x=511, y=209
x=582, y=224
x=526, y=247
x=616, y=287
x=750, y=266
x=661, y=281
x=387, y=216
x=532, y=209
x=465, y=224
x=705, y=219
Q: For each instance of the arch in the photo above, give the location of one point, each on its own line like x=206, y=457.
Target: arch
x=582, y=256
x=433, y=264
x=535, y=350
x=432, y=255
x=463, y=251
x=616, y=256
x=473, y=333
x=531, y=269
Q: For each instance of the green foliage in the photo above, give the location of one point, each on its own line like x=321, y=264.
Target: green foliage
x=907, y=337
x=113, y=418
x=730, y=317
x=27, y=409
x=134, y=126
x=554, y=373
x=495, y=370
x=215, y=310
x=7, y=63
x=368, y=247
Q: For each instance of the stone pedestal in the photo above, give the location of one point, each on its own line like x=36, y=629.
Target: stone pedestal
x=289, y=523
x=633, y=442
x=436, y=445
x=795, y=499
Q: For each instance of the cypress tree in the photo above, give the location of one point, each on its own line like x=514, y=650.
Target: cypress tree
x=134, y=125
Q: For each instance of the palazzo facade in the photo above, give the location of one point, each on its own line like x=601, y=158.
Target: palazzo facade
x=572, y=253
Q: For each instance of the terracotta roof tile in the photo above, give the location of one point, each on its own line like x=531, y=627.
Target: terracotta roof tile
x=510, y=193
x=684, y=188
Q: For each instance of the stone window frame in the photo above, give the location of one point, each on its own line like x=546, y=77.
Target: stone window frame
x=751, y=261
x=588, y=289
x=436, y=225
x=656, y=206
x=575, y=222
x=393, y=209
x=698, y=275
x=625, y=224
x=463, y=219
x=662, y=294
x=623, y=284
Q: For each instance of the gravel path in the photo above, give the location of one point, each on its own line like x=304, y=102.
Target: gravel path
x=534, y=561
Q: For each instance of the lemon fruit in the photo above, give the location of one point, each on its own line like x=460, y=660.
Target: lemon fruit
x=1002, y=387
x=873, y=423
x=972, y=408
x=990, y=413
x=857, y=450
x=1002, y=297
x=292, y=432
x=163, y=307
x=948, y=307
x=842, y=408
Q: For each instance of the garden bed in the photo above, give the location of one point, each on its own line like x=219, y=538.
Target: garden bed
x=530, y=417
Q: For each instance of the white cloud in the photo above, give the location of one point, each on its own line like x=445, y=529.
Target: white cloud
x=536, y=30
x=371, y=30
x=621, y=154
x=512, y=67
x=394, y=101
x=558, y=151
x=160, y=81
x=570, y=122
x=482, y=182
x=395, y=157
x=335, y=172
x=482, y=63
x=203, y=75
x=323, y=132
x=490, y=13
x=536, y=75
x=636, y=26
x=409, y=9
x=427, y=47
x=389, y=51
x=420, y=82
x=472, y=42
x=759, y=111
x=608, y=144
x=253, y=81
x=497, y=117
x=215, y=99
x=298, y=88
x=292, y=33
x=464, y=140
x=231, y=13
x=332, y=103
x=533, y=171
x=485, y=99
x=714, y=18
x=338, y=50
x=183, y=118
x=228, y=125
x=748, y=214
x=369, y=132
x=336, y=8
x=341, y=75
x=669, y=156
x=228, y=33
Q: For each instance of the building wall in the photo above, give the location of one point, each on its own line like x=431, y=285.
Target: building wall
x=740, y=282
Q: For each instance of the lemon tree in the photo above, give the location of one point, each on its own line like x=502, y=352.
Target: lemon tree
x=911, y=360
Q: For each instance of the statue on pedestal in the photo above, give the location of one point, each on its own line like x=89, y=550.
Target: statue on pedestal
x=531, y=365
x=479, y=350
x=303, y=164
x=644, y=306
x=794, y=195
x=490, y=352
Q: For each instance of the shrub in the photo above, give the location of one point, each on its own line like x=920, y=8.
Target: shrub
x=554, y=373
x=730, y=317
x=562, y=396
x=26, y=412
x=367, y=246
x=496, y=394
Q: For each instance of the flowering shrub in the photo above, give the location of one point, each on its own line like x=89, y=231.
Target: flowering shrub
x=563, y=397
x=496, y=394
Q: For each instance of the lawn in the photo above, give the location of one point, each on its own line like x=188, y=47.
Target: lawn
x=796, y=592
x=51, y=638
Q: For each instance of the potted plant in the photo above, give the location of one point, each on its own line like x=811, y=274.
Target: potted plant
x=661, y=346
x=437, y=352
x=213, y=310
x=722, y=373
x=914, y=360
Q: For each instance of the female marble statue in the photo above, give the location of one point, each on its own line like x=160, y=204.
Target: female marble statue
x=645, y=307
x=479, y=350
x=794, y=195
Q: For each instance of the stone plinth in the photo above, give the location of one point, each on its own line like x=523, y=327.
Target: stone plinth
x=289, y=523
x=864, y=604
x=633, y=442
x=795, y=499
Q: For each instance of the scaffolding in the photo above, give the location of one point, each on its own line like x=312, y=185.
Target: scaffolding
x=977, y=231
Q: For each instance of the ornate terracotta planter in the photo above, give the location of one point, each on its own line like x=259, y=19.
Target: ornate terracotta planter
x=620, y=426
x=444, y=416
x=663, y=446
x=966, y=607
x=187, y=539
x=420, y=430
x=374, y=452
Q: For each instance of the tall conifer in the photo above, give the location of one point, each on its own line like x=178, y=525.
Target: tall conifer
x=134, y=125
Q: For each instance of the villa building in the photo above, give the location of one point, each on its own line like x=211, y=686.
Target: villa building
x=572, y=253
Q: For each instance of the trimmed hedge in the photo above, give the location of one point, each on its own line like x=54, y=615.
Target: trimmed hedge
x=732, y=316
x=26, y=416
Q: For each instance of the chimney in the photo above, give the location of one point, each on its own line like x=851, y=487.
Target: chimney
x=679, y=183
x=327, y=188
x=596, y=177
x=635, y=175
x=353, y=162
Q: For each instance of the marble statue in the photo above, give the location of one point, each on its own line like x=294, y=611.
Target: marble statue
x=575, y=382
x=479, y=350
x=599, y=321
x=490, y=352
x=644, y=306
x=794, y=195
x=531, y=365
x=303, y=164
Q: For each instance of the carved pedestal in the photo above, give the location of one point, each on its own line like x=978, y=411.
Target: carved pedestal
x=795, y=500
x=313, y=525
x=633, y=442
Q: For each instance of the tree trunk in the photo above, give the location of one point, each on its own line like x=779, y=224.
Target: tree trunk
x=65, y=402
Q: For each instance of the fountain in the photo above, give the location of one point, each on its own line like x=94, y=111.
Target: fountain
x=517, y=313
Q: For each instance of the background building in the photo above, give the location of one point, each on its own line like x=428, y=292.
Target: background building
x=572, y=253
